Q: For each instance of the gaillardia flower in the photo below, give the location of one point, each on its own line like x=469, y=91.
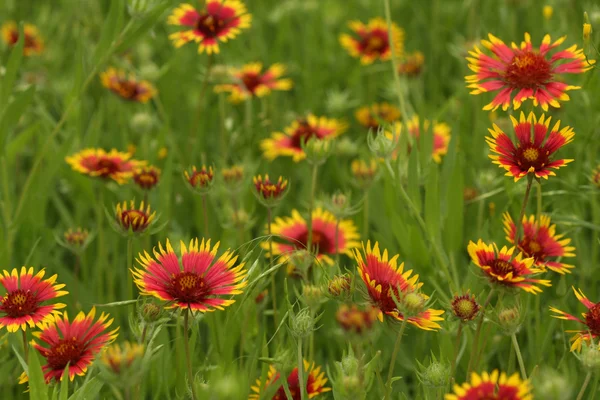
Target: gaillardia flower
x=146, y=177
x=504, y=270
x=200, y=180
x=134, y=220
x=127, y=87
x=386, y=282
x=33, y=42
x=197, y=282
x=233, y=175
x=371, y=41
x=113, y=165
x=356, y=320
x=440, y=132
x=591, y=320
x=411, y=64
x=540, y=241
x=76, y=237
x=529, y=73
x=364, y=172
x=376, y=115
x=119, y=357
x=315, y=383
x=270, y=190
x=24, y=302
x=465, y=307
x=291, y=233
x=219, y=20
x=289, y=143
x=251, y=81
x=492, y=386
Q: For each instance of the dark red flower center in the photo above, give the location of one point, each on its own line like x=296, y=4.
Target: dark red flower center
x=530, y=156
x=200, y=178
x=502, y=268
x=319, y=240
x=528, y=70
x=66, y=351
x=128, y=89
x=137, y=220
x=188, y=287
x=209, y=25
x=293, y=385
x=303, y=132
x=29, y=40
x=107, y=166
x=374, y=42
x=146, y=180
x=592, y=319
x=19, y=303
x=532, y=248
x=251, y=81
x=386, y=301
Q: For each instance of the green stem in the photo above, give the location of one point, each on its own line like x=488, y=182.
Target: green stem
x=585, y=384
x=205, y=216
x=539, y=200
x=523, y=207
x=194, y=133
x=100, y=264
x=394, y=60
x=311, y=202
x=474, y=348
x=273, y=283
x=388, y=383
x=365, y=233
x=129, y=267
x=301, y=381
x=456, y=349
x=337, y=245
x=519, y=356
x=248, y=117
x=25, y=345
x=188, y=356
x=595, y=387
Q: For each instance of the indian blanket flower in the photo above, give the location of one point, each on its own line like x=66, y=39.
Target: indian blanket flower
x=33, y=42
x=113, y=165
x=540, y=241
x=386, y=282
x=270, y=190
x=440, y=132
x=118, y=357
x=354, y=319
x=251, y=81
x=135, y=220
x=218, y=21
x=371, y=41
x=465, y=307
x=198, y=282
x=76, y=237
x=127, y=87
x=26, y=297
x=146, y=177
x=591, y=320
x=364, y=171
x=200, y=179
x=524, y=71
x=291, y=233
x=596, y=176
x=289, y=143
x=315, y=383
x=534, y=151
x=496, y=385
x=411, y=64
x=233, y=175
x=504, y=270
x=376, y=115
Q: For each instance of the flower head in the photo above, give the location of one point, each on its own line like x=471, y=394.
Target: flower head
x=132, y=219
x=530, y=73
x=356, y=320
x=146, y=177
x=364, y=172
x=492, y=386
x=270, y=192
x=33, y=45
x=118, y=357
x=340, y=285
x=201, y=180
x=252, y=81
x=77, y=237
x=315, y=383
x=371, y=41
x=411, y=64
x=375, y=115
x=233, y=175
x=197, y=282
x=440, y=132
x=591, y=320
x=218, y=21
x=113, y=165
x=127, y=87
x=465, y=307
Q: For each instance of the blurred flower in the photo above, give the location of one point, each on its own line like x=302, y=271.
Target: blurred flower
x=317, y=151
x=118, y=358
x=129, y=88
x=315, y=383
x=131, y=149
x=132, y=220
x=76, y=238
x=550, y=384
x=33, y=42
x=510, y=319
x=529, y=155
x=146, y=177
x=219, y=20
x=371, y=41
x=339, y=285
x=411, y=64
x=200, y=181
x=353, y=319
x=200, y=286
x=261, y=296
x=375, y=115
x=162, y=153
x=441, y=136
x=590, y=356
x=591, y=321
x=547, y=11
x=250, y=81
x=141, y=122
x=492, y=386
x=465, y=307
x=312, y=296
x=533, y=74
x=339, y=100
x=269, y=193
x=97, y=162
x=587, y=31
x=233, y=175
x=26, y=293
x=470, y=193
x=364, y=174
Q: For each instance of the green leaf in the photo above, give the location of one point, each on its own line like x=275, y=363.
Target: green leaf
x=432, y=202
x=117, y=303
x=143, y=27
x=413, y=189
x=12, y=68
x=64, y=389
x=37, y=384
x=21, y=361
x=454, y=221
x=17, y=145
x=110, y=29
x=89, y=390
x=13, y=112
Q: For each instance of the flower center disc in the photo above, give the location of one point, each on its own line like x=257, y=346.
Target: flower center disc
x=319, y=240
x=188, y=287
x=303, y=132
x=251, y=82
x=209, y=25
x=135, y=219
x=531, y=157
x=64, y=352
x=501, y=267
x=18, y=304
x=107, y=166
x=528, y=70
x=592, y=319
x=373, y=43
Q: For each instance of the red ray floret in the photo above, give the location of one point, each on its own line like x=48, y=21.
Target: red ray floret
x=591, y=320
x=113, y=165
x=127, y=87
x=492, y=386
x=252, y=81
x=371, y=41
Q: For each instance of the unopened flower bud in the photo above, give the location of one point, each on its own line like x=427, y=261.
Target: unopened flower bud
x=339, y=285
x=150, y=312
x=413, y=303
x=384, y=145
x=302, y=324
x=200, y=181
x=350, y=364
x=317, y=150
x=509, y=320
x=232, y=176
x=590, y=356
x=146, y=177
x=76, y=238
x=141, y=122
x=465, y=307
x=312, y=296
x=435, y=375
x=547, y=11
x=364, y=172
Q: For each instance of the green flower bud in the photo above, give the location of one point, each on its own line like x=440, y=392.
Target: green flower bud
x=381, y=145
x=590, y=356
x=317, y=150
x=435, y=375
x=510, y=320
x=312, y=296
x=141, y=123
x=302, y=324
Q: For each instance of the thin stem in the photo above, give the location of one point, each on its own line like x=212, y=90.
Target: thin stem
x=311, y=202
x=248, y=116
x=456, y=349
x=595, y=387
x=301, y=381
x=100, y=264
x=522, y=213
x=519, y=356
x=539, y=200
x=585, y=384
x=194, y=134
x=365, y=232
x=273, y=286
x=337, y=245
x=388, y=383
x=388, y=17
x=188, y=356
x=144, y=333
x=205, y=216
x=129, y=267
x=25, y=345
x=474, y=348
x=76, y=275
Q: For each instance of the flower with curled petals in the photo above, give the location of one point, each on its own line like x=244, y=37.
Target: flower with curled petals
x=146, y=177
x=127, y=87
x=371, y=41
x=494, y=386
x=113, y=165
x=591, y=320
x=130, y=220
x=33, y=45
x=251, y=81
x=315, y=383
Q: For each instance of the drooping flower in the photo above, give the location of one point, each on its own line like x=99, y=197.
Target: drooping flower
x=200, y=180
x=465, y=307
x=356, y=320
x=504, y=270
x=218, y=21
x=387, y=282
x=268, y=190
x=289, y=143
x=251, y=81
x=146, y=177
x=591, y=320
x=492, y=386
x=136, y=220
x=535, y=147
x=26, y=297
x=33, y=45
x=371, y=41
x=76, y=237
x=411, y=64
x=315, y=383
x=197, y=282
x=376, y=115
x=119, y=357
x=127, y=87
x=540, y=241
x=526, y=72
x=440, y=132
x=113, y=165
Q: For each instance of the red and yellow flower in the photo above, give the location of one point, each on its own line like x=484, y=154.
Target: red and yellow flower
x=146, y=177
x=540, y=241
x=113, y=165
x=591, y=320
x=492, y=386
x=534, y=151
x=527, y=72
x=440, y=132
x=197, y=282
x=502, y=269
x=132, y=219
x=76, y=237
x=268, y=190
x=200, y=179
x=371, y=41
x=465, y=307
x=33, y=42
x=364, y=171
x=218, y=21
x=289, y=143
x=24, y=302
x=354, y=319
x=386, y=280
x=376, y=115
x=315, y=383
x=251, y=81
x=127, y=87
x=411, y=64
x=120, y=357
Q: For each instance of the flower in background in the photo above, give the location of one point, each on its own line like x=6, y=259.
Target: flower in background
x=233, y=177
x=113, y=165
x=218, y=21
x=465, y=307
x=289, y=143
x=492, y=386
x=127, y=87
x=132, y=220
x=504, y=270
x=540, y=241
x=200, y=180
x=376, y=115
x=591, y=321
x=270, y=191
x=146, y=177
x=197, y=282
x=596, y=176
x=353, y=319
x=371, y=41
x=441, y=136
x=547, y=11
x=33, y=42
x=531, y=73
x=364, y=172
x=24, y=301
x=411, y=64
x=77, y=237
x=118, y=358
x=315, y=383
x=533, y=152
x=251, y=81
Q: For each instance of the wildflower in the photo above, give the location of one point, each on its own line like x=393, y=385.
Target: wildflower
x=195, y=282
x=374, y=115
x=510, y=319
x=270, y=192
x=363, y=172
x=25, y=300
x=76, y=238
x=371, y=41
x=440, y=132
x=118, y=357
x=411, y=64
x=218, y=21
x=162, y=153
x=302, y=324
x=150, y=312
x=587, y=31
x=492, y=386
x=596, y=176
x=113, y=165
x=504, y=270
x=128, y=88
x=339, y=285
x=132, y=220
x=250, y=81
x=356, y=320
x=315, y=383
x=233, y=175
x=532, y=153
x=316, y=150
x=146, y=177
x=387, y=282
x=540, y=241
x=547, y=11
x=33, y=45
x=531, y=73
x=465, y=307
x=591, y=321
x=202, y=180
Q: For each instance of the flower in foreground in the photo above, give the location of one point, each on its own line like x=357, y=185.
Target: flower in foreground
x=127, y=87
x=113, y=165
x=376, y=115
x=26, y=297
x=540, y=241
x=131, y=219
x=252, y=81
x=535, y=147
x=504, y=270
x=371, y=41
x=218, y=21
x=527, y=72
x=496, y=385
x=387, y=282
x=591, y=320
x=195, y=282
x=315, y=383
x=120, y=357
x=33, y=42
x=146, y=177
